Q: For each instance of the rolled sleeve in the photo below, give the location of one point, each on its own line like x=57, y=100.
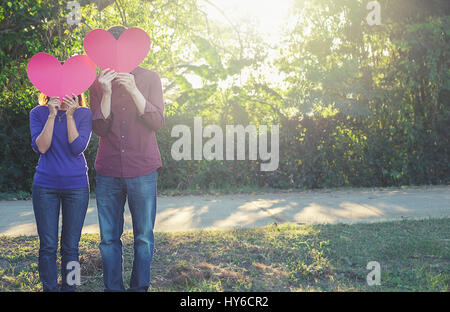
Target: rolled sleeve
x=84, y=128
x=153, y=115
x=34, y=145
x=36, y=126
x=98, y=115
x=78, y=145
x=149, y=108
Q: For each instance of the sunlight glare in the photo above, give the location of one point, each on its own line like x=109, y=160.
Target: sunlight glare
x=269, y=15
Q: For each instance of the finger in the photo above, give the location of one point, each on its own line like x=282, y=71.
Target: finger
x=111, y=74
x=71, y=99
x=125, y=74
x=123, y=78
x=105, y=71
x=75, y=98
x=68, y=98
x=69, y=102
x=109, y=78
x=72, y=104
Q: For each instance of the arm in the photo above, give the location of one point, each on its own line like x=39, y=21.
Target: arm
x=41, y=136
x=150, y=108
x=78, y=137
x=139, y=100
x=106, y=104
x=154, y=108
x=79, y=144
x=72, y=131
x=72, y=105
x=100, y=101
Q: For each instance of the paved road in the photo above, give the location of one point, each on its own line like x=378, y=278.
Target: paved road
x=228, y=211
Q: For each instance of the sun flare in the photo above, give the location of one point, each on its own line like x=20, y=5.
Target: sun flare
x=268, y=15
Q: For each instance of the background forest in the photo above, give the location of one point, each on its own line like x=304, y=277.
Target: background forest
x=357, y=105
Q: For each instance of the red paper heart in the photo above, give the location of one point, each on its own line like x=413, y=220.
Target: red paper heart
x=47, y=74
x=122, y=55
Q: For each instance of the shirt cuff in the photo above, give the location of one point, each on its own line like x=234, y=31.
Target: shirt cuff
x=149, y=108
x=35, y=147
x=76, y=145
x=99, y=115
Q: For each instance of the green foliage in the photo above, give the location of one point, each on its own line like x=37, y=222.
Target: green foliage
x=358, y=105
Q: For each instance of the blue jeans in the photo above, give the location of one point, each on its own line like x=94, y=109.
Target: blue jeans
x=111, y=196
x=46, y=206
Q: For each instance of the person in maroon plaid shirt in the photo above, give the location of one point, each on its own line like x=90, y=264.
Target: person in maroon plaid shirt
x=128, y=109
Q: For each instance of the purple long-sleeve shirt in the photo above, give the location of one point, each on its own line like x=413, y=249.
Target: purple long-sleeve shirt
x=127, y=146
x=63, y=165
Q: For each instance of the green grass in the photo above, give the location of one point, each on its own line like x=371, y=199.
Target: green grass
x=414, y=256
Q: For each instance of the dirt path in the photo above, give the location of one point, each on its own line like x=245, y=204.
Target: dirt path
x=242, y=210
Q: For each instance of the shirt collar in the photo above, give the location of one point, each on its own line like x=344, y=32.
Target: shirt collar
x=135, y=71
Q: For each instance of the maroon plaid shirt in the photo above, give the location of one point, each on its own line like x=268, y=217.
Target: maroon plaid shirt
x=127, y=146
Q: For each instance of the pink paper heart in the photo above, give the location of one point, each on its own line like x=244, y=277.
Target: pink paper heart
x=122, y=55
x=47, y=74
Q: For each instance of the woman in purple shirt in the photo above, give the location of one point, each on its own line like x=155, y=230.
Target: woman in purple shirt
x=60, y=132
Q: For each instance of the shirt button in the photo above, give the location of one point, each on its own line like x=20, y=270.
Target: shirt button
x=123, y=108
x=123, y=137
x=124, y=121
x=123, y=151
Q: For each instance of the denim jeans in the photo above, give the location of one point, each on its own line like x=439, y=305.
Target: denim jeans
x=111, y=193
x=46, y=205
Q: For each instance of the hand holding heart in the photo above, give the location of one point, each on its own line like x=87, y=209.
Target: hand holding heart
x=53, y=105
x=127, y=81
x=105, y=78
x=108, y=75
x=71, y=103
